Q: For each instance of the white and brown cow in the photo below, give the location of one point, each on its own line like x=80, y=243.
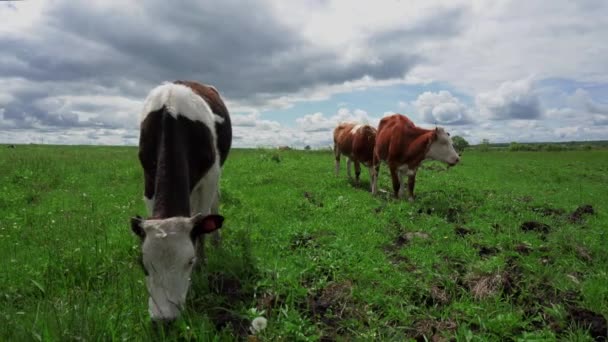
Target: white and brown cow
x=356, y=142
x=403, y=146
x=185, y=137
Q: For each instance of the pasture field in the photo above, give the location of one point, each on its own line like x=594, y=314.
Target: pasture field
x=505, y=246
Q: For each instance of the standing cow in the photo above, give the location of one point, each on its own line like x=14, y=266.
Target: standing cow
x=403, y=146
x=184, y=140
x=356, y=142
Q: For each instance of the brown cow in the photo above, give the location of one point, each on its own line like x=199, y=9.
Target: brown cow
x=403, y=146
x=356, y=142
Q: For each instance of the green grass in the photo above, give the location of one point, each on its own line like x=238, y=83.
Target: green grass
x=317, y=256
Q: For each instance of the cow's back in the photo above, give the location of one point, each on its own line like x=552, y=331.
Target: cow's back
x=364, y=140
x=343, y=139
x=397, y=140
x=223, y=128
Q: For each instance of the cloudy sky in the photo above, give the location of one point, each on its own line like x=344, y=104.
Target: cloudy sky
x=76, y=72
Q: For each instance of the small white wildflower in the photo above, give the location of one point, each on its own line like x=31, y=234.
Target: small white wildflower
x=258, y=324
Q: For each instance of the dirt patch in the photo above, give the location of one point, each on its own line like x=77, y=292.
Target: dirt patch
x=450, y=214
x=578, y=214
x=507, y=282
x=303, y=240
x=311, y=198
x=587, y=319
x=439, y=295
x=548, y=211
x=523, y=249
x=583, y=254
x=462, y=231
x=453, y=215
x=403, y=239
x=428, y=211
x=526, y=199
x=392, y=250
x=268, y=302
x=330, y=306
x=485, y=251
x=230, y=288
x=226, y=319
x=432, y=330
x=485, y=286
x=535, y=226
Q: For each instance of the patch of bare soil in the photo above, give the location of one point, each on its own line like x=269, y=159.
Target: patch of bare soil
x=587, y=319
x=439, y=295
x=303, y=241
x=311, y=198
x=268, y=302
x=526, y=199
x=578, y=214
x=307, y=240
x=487, y=285
x=454, y=215
x=548, y=211
x=392, y=250
x=485, y=251
x=523, y=249
x=583, y=254
x=450, y=214
x=432, y=330
x=330, y=306
x=462, y=231
x=535, y=226
x=231, y=288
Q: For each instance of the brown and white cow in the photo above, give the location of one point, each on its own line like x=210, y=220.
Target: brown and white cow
x=356, y=142
x=185, y=137
x=403, y=146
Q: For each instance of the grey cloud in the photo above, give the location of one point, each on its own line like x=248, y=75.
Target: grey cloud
x=581, y=99
x=80, y=48
x=443, y=23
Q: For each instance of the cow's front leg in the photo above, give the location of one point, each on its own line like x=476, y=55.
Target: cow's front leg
x=401, y=174
x=357, y=171
x=374, y=170
x=396, y=180
x=411, y=182
x=348, y=165
x=337, y=155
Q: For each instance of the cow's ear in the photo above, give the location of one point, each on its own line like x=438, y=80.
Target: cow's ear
x=137, y=226
x=205, y=224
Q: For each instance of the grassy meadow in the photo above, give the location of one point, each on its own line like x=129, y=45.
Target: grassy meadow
x=505, y=246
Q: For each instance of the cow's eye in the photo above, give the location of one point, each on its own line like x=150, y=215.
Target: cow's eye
x=191, y=261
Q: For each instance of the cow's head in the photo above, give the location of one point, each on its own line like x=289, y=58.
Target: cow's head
x=168, y=256
x=441, y=148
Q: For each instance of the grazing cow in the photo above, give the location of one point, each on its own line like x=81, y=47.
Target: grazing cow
x=185, y=137
x=356, y=142
x=403, y=146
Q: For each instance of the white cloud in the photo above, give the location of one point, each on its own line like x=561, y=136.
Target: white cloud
x=512, y=100
x=317, y=122
x=441, y=108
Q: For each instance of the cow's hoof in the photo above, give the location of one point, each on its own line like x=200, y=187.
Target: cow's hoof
x=410, y=199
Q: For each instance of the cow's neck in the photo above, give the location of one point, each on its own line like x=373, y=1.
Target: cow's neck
x=172, y=188
x=421, y=146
